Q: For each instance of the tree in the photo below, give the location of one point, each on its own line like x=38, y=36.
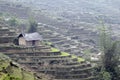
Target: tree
x=110, y=56
x=104, y=75
x=13, y=22
x=33, y=25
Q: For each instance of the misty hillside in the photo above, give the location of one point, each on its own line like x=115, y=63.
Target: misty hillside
x=67, y=15
x=79, y=10
x=59, y=40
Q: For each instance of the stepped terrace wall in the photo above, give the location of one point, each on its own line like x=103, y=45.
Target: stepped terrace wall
x=50, y=62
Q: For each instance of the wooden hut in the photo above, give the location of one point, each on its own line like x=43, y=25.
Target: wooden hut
x=29, y=39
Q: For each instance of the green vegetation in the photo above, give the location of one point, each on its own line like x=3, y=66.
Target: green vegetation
x=8, y=72
x=15, y=72
x=2, y=76
x=3, y=64
x=33, y=25
x=4, y=61
x=65, y=54
x=27, y=75
x=109, y=69
x=4, y=15
x=8, y=77
x=87, y=51
x=1, y=14
x=48, y=43
x=13, y=22
x=104, y=75
x=79, y=59
x=54, y=50
x=74, y=56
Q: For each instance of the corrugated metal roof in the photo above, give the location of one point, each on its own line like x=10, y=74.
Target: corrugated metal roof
x=32, y=36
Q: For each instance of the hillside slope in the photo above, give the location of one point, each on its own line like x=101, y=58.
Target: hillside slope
x=10, y=70
x=80, y=10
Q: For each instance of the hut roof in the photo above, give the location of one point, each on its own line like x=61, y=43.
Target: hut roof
x=31, y=36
